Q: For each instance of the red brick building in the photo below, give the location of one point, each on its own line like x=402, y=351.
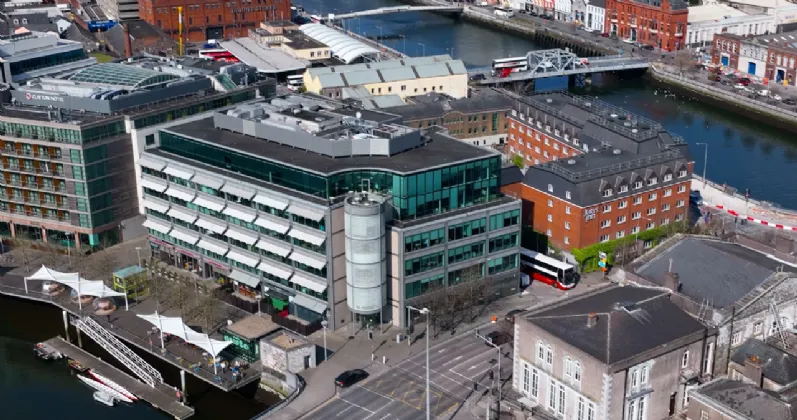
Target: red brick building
x=212, y=19
x=769, y=56
x=660, y=23
x=600, y=173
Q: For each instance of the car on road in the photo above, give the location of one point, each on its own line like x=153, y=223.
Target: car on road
x=605, y=35
x=739, y=86
x=716, y=79
x=350, y=377
x=789, y=101
x=499, y=338
x=477, y=77
x=745, y=81
x=776, y=97
x=510, y=316
x=647, y=47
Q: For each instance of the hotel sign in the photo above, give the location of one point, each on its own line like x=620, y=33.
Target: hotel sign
x=36, y=97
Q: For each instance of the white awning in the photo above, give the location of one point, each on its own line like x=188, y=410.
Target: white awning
x=183, y=173
x=307, y=214
x=212, y=247
x=245, y=278
x=317, y=263
x=151, y=163
x=154, y=205
x=209, y=181
x=247, y=215
x=158, y=226
x=271, y=202
x=153, y=184
x=245, y=237
x=175, y=326
x=183, y=215
x=312, y=238
x=307, y=302
x=243, y=259
x=185, y=235
x=239, y=191
x=181, y=193
x=272, y=225
x=209, y=203
x=281, y=250
x=312, y=284
x=273, y=269
x=215, y=226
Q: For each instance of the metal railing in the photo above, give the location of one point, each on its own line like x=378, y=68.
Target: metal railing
x=109, y=342
x=612, y=169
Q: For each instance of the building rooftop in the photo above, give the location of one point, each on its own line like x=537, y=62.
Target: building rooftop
x=630, y=321
x=286, y=340
x=253, y=327
x=490, y=101
x=674, y=4
x=777, y=365
x=387, y=71
x=341, y=45
x=117, y=74
x=321, y=147
x=721, y=273
x=266, y=60
x=752, y=402
x=297, y=40
x=712, y=12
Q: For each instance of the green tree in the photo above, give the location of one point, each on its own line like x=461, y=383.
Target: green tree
x=517, y=160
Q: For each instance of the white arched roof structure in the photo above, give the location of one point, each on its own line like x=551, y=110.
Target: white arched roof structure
x=83, y=287
x=343, y=46
x=175, y=326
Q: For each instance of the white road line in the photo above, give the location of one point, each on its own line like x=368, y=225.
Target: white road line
x=436, y=373
x=441, y=350
x=386, y=415
x=374, y=412
x=344, y=410
x=358, y=406
x=470, y=368
x=466, y=378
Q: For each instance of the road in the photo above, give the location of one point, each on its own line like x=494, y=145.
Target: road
x=457, y=367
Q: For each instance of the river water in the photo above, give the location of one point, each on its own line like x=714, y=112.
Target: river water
x=742, y=152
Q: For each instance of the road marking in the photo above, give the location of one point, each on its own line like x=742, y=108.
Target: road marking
x=344, y=410
x=441, y=350
x=358, y=406
x=472, y=367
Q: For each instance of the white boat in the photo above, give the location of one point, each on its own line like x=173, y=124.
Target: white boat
x=104, y=398
x=113, y=385
x=100, y=387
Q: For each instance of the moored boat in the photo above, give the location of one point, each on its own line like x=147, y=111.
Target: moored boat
x=106, y=389
x=80, y=367
x=104, y=398
x=113, y=385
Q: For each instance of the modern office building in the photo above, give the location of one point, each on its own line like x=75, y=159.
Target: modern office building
x=597, y=172
x=34, y=54
x=70, y=142
x=329, y=211
x=404, y=77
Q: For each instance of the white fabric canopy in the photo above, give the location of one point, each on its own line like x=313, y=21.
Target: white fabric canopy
x=175, y=326
x=83, y=287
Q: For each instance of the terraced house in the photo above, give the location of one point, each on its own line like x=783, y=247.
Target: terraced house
x=327, y=211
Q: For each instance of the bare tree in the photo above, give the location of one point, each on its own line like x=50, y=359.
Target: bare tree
x=684, y=61
x=207, y=311
x=180, y=296
x=157, y=287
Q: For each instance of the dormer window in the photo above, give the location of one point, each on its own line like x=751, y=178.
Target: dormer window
x=623, y=189
x=652, y=181
x=637, y=185
x=607, y=192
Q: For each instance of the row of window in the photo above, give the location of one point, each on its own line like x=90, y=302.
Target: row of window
x=460, y=231
x=621, y=233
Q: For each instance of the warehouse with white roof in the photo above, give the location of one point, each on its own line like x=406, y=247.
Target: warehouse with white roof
x=402, y=77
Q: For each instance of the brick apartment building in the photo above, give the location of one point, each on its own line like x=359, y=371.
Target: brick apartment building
x=771, y=56
x=212, y=19
x=598, y=172
x=660, y=23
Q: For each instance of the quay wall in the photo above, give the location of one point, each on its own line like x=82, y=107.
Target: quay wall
x=757, y=110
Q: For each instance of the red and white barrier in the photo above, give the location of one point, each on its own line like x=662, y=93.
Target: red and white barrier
x=754, y=220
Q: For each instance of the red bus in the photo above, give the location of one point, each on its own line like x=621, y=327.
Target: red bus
x=218, y=54
x=548, y=270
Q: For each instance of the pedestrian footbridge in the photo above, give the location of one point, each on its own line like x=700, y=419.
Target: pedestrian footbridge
x=397, y=9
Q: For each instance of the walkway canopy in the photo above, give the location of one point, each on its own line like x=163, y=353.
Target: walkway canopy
x=343, y=46
x=83, y=287
x=175, y=326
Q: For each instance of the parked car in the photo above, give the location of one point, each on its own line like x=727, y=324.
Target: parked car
x=789, y=101
x=350, y=377
x=745, y=81
x=648, y=47
x=499, y=338
x=605, y=35
x=739, y=86
x=716, y=78
x=776, y=97
x=477, y=77
x=510, y=316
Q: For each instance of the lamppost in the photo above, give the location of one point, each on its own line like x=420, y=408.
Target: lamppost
x=424, y=48
x=324, y=324
x=381, y=36
x=705, y=162
x=497, y=347
x=428, y=314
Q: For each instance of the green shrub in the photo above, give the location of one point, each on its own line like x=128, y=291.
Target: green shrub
x=587, y=258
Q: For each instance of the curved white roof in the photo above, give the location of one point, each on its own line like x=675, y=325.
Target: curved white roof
x=343, y=46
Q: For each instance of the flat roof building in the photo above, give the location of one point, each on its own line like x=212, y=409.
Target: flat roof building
x=70, y=142
x=329, y=211
x=35, y=54
x=403, y=77
x=268, y=61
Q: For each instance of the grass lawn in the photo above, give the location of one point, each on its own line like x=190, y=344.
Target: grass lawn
x=101, y=57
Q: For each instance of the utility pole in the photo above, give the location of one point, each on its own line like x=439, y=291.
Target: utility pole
x=498, y=378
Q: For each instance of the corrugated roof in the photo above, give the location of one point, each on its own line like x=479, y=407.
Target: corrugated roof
x=342, y=46
x=331, y=80
x=396, y=74
x=363, y=77
x=266, y=60
x=432, y=70
x=457, y=67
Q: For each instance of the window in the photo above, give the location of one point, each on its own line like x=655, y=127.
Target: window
x=667, y=177
x=567, y=195
x=550, y=187
x=644, y=375
x=681, y=189
x=623, y=204
x=637, y=185
x=548, y=232
x=665, y=221
x=568, y=367
x=577, y=371
x=621, y=220
x=607, y=192
x=637, y=200
x=619, y=234
x=635, y=378
x=679, y=203
x=535, y=384
x=636, y=215
x=567, y=210
x=585, y=409
x=703, y=415
x=758, y=327
x=607, y=208
x=552, y=395
x=606, y=223
x=567, y=225
x=526, y=378
x=652, y=181
x=540, y=352
x=668, y=192
x=652, y=196
x=550, y=203
x=604, y=238
x=550, y=218
x=549, y=356
x=635, y=230
x=682, y=173
x=665, y=207
x=651, y=211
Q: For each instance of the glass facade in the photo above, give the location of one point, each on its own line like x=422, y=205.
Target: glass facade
x=423, y=240
x=506, y=219
x=503, y=242
x=426, y=285
x=417, y=195
x=50, y=60
x=197, y=108
x=62, y=135
x=467, y=229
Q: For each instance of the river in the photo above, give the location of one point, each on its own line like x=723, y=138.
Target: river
x=742, y=152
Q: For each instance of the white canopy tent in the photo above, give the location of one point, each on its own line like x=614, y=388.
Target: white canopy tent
x=83, y=287
x=175, y=326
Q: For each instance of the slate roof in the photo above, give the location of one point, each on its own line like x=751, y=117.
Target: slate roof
x=651, y=321
x=387, y=71
x=753, y=402
x=487, y=102
x=597, y=3
x=778, y=366
x=721, y=272
x=510, y=174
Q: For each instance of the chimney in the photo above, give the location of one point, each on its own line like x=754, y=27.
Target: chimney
x=672, y=281
x=592, y=319
x=753, y=369
x=128, y=42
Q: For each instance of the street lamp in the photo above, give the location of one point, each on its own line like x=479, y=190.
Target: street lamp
x=324, y=324
x=705, y=163
x=497, y=347
x=424, y=48
x=428, y=314
x=381, y=36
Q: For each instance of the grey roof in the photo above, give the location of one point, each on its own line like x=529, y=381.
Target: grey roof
x=433, y=70
x=778, y=366
x=597, y=3
x=442, y=150
x=399, y=73
x=121, y=75
x=651, y=322
x=387, y=71
x=674, y=4
x=383, y=101
x=718, y=271
x=362, y=77
x=751, y=401
x=510, y=175
x=343, y=46
x=488, y=102
x=265, y=59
